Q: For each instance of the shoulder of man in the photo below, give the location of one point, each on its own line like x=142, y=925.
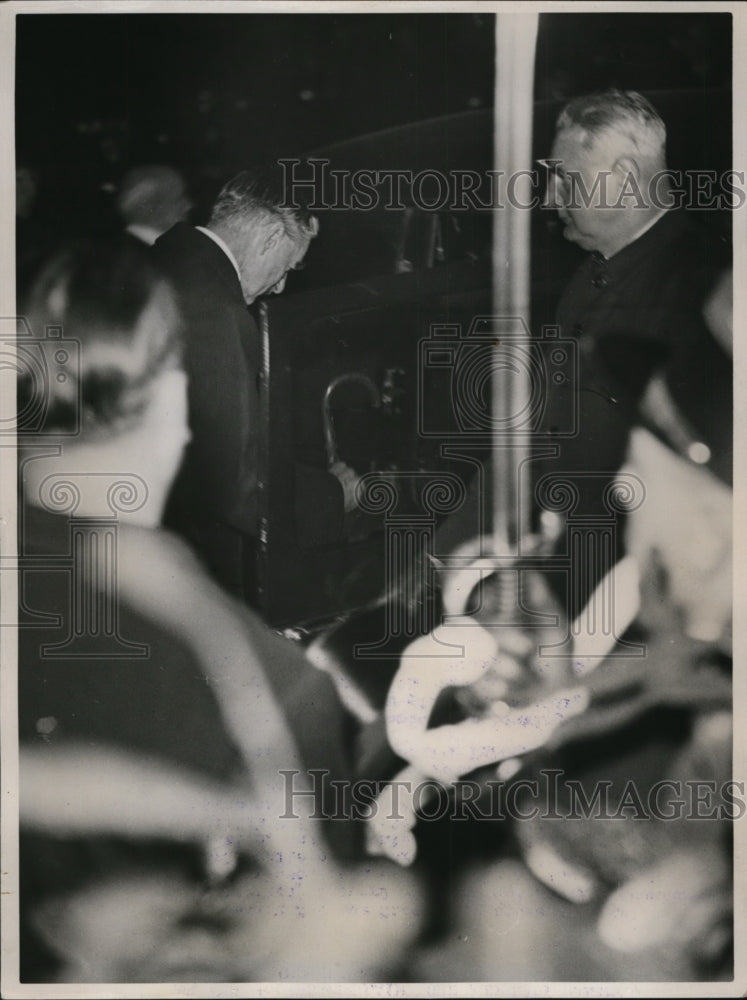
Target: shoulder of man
x=180, y=235
x=188, y=257
x=207, y=287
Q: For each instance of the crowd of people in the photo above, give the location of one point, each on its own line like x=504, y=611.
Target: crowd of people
x=173, y=823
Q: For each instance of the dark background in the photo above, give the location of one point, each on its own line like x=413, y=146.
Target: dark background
x=98, y=93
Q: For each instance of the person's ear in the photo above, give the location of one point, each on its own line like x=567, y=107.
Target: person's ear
x=628, y=180
x=625, y=167
x=270, y=238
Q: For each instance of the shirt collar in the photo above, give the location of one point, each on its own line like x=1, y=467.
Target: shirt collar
x=224, y=247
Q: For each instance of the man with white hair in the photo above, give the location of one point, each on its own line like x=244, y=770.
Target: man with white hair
x=653, y=398
x=634, y=306
x=608, y=152
x=247, y=249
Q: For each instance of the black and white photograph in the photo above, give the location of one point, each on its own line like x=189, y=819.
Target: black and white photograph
x=370, y=544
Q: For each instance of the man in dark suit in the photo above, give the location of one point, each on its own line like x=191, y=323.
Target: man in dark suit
x=653, y=394
x=633, y=307
x=246, y=250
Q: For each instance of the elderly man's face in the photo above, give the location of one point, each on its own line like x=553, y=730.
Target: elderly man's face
x=268, y=258
x=584, y=188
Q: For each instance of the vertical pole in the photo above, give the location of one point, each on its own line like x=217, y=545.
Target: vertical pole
x=515, y=36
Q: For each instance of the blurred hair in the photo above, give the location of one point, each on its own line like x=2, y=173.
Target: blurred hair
x=109, y=298
x=147, y=194
x=258, y=193
x=626, y=113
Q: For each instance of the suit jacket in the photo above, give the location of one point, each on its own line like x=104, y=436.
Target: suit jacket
x=213, y=502
x=631, y=317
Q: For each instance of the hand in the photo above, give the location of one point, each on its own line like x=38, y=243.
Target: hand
x=449, y=752
x=348, y=479
x=691, y=552
x=453, y=655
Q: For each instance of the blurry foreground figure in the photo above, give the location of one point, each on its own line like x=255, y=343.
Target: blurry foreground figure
x=634, y=307
x=625, y=818
x=151, y=200
x=620, y=799
x=152, y=742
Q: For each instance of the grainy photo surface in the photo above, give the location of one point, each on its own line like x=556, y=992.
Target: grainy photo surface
x=367, y=557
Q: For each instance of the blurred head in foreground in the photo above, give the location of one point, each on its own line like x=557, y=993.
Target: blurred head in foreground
x=108, y=328
x=151, y=200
